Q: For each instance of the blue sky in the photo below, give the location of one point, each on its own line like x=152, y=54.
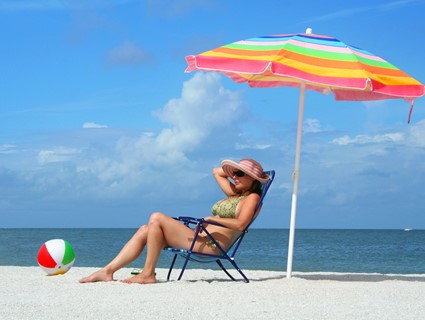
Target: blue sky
x=100, y=126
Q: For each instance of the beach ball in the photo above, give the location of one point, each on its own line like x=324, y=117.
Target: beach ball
x=56, y=256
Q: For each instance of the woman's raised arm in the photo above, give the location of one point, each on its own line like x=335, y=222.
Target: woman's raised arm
x=223, y=182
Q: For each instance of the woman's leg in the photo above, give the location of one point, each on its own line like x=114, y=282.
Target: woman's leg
x=132, y=249
x=163, y=231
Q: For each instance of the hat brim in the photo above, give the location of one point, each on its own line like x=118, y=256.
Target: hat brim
x=230, y=166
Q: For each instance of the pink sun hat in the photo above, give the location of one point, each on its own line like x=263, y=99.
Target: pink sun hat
x=249, y=166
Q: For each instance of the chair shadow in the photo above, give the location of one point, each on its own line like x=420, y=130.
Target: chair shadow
x=237, y=279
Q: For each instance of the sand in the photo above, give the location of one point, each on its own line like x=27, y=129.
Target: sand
x=27, y=293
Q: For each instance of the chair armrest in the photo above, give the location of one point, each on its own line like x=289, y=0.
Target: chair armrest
x=192, y=220
x=188, y=220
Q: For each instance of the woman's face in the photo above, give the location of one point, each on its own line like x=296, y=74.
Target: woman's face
x=243, y=182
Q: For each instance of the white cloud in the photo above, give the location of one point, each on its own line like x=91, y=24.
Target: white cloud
x=204, y=106
x=311, y=126
x=412, y=135
x=365, y=139
x=257, y=146
x=93, y=125
x=117, y=164
x=58, y=154
x=373, y=170
x=7, y=149
x=349, y=176
x=416, y=134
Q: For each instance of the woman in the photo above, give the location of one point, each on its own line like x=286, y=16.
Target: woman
x=233, y=212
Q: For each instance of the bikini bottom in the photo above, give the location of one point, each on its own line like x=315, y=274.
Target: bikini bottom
x=209, y=242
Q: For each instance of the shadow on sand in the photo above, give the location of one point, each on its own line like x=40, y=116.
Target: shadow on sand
x=361, y=277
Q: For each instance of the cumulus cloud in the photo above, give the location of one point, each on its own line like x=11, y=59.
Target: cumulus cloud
x=203, y=107
x=158, y=167
x=128, y=164
x=128, y=54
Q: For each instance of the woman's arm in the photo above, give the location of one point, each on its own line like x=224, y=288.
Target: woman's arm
x=223, y=182
x=244, y=214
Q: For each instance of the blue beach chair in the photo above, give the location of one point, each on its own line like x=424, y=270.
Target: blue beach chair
x=229, y=255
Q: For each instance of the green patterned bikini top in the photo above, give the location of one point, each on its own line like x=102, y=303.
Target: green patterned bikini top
x=226, y=208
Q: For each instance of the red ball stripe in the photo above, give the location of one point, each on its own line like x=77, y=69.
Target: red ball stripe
x=45, y=259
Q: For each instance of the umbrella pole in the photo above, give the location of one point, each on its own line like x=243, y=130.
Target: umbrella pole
x=295, y=177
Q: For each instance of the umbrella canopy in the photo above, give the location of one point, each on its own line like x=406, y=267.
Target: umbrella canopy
x=313, y=62
x=323, y=63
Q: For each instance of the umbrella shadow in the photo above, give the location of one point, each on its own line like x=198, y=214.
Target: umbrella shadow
x=343, y=277
x=360, y=277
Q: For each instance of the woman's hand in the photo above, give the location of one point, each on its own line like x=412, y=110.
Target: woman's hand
x=205, y=224
x=207, y=219
x=220, y=172
x=224, y=183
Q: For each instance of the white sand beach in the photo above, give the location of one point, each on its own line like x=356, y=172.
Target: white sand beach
x=27, y=293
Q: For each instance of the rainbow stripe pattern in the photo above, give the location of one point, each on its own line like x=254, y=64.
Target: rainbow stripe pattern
x=323, y=63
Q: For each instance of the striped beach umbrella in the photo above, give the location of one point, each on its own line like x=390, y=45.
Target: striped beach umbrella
x=313, y=62
x=319, y=62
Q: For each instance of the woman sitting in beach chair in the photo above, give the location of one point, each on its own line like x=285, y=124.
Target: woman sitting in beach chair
x=234, y=213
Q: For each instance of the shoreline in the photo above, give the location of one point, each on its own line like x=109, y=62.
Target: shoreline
x=27, y=293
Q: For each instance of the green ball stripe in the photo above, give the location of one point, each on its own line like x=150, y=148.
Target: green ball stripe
x=69, y=254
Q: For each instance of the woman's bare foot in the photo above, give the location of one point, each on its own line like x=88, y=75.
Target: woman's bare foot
x=141, y=279
x=101, y=275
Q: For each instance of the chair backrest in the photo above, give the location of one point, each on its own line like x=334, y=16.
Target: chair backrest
x=264, y=188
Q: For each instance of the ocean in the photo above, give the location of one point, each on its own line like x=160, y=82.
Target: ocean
x=315, y=250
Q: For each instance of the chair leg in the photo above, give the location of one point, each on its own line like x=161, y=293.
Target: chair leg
x=171, y=267
x=224, y=269
x=237, y=268
x=184, y=266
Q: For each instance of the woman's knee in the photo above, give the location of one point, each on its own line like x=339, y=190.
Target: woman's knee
x=156, y=218
x=142, y=231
